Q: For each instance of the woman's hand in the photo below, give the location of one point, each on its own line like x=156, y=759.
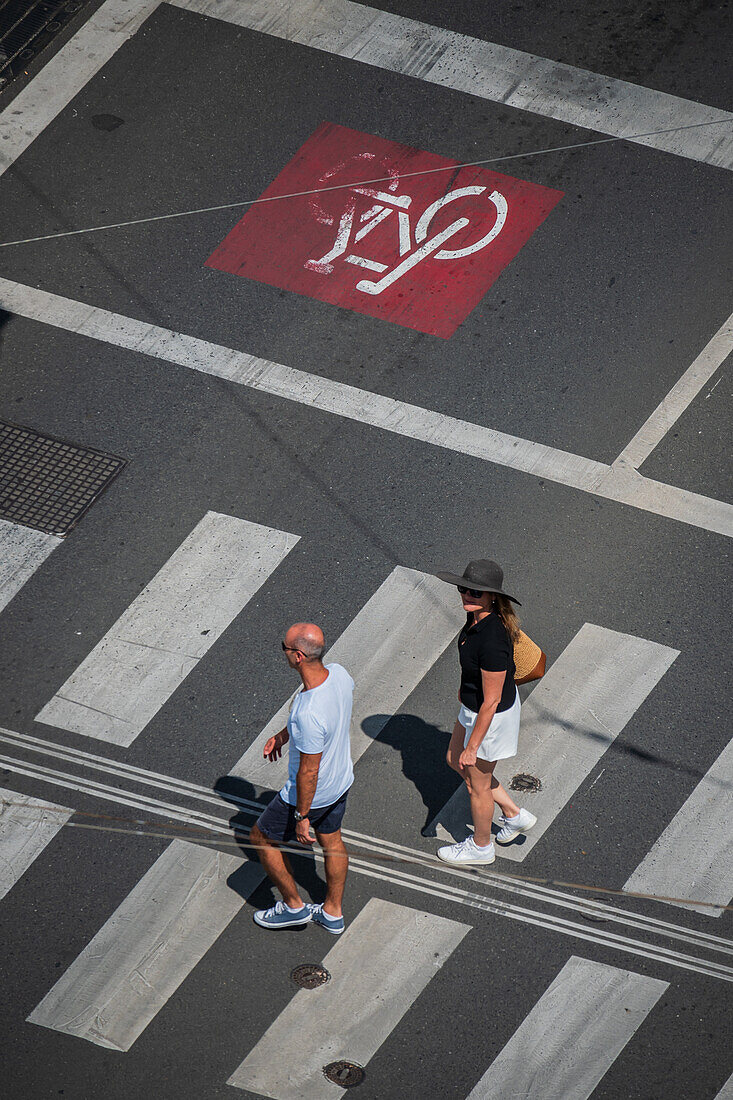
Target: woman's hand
x=467, y=758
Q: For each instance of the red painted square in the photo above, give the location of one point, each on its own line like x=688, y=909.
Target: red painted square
x=418, y=250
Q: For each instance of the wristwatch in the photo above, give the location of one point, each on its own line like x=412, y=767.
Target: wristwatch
x=299, y=816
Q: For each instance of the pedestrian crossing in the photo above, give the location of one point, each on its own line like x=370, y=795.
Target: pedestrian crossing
x=27, y=825
x=378, y=648
x=166, y=631
x=22, y=552
x=573, y=715
x=693, y=858
x=573, y=1034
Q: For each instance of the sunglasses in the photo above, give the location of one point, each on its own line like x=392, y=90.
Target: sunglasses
x=289, y=648
x=477, y=593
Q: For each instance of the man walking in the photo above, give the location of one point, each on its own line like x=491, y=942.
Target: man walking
x=320, y=772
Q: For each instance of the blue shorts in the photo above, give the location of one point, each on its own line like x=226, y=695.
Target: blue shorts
x=277, y=820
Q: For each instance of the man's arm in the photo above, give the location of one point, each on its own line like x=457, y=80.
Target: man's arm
x=274, y=745
x=305, y=787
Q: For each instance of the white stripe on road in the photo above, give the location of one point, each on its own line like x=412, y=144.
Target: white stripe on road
x=572, y=716
x=64, y=76
x=496, y=73
x=573, y=1034
x=166, y=631
x=22, y=551
x=679, y=397
x=26, y=827
x=378, y=649
x=138, y=959
x=378, y=968
x=693, y=858
x=618, y=482
x=726, y=1093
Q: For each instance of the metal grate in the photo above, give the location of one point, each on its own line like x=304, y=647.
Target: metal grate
x=310, y=975
x=345, y=1074
x=26, y=26
x=46, y=483
x=525, y=782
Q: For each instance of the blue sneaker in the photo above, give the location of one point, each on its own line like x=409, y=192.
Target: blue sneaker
x=334, y=925
x=282, y=917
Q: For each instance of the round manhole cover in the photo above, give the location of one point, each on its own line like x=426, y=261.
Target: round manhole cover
x=310, y=975
x=345, y=1074
x=524, y=782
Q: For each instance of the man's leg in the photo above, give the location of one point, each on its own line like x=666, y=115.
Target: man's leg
x=336, y=861
x=277, y=866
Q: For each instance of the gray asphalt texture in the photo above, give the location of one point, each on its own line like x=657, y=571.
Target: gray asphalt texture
x=574, y=346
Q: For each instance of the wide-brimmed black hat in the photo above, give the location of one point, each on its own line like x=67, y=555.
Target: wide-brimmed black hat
x=481, y=574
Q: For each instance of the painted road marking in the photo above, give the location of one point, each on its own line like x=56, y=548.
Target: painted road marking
x=138, y=959
x=22, y=552
x=165, y=632
x=429, y=274
x=385, y=958
x=27, y=825
x=681, y=395
x=621, y=484
x=726, y=1093
x=693, y=858
x=484, y=69
x=573, y=1035
x=570, y=719
x=378, y=649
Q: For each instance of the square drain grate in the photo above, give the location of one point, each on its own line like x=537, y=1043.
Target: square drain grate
x=46, y=483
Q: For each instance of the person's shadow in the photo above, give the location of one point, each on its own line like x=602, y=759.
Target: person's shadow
x=241, y=794
x=423, y=747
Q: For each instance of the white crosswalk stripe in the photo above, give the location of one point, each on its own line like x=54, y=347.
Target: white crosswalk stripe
x=573, y=1034
x=726, y=1093
x=138, y=959
x=571, y=717
x=693, y=858
x=385, y=958
x=166, y=631
x=27, y=825
x=378, y=649
x=22, y=552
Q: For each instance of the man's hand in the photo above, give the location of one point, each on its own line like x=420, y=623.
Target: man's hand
x=274, y=746
x=303, y=832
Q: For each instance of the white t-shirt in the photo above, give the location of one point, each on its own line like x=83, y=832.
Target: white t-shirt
x=319, y=722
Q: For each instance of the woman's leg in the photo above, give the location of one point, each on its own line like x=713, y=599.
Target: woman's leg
x=478, y=779
x=506, y=804
x=455, y=747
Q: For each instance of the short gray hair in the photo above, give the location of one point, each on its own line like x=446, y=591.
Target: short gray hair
x=309, y=648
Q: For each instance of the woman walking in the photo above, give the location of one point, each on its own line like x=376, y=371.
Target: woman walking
x=487, y=729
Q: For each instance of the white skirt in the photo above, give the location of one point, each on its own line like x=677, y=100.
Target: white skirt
x=502, y=736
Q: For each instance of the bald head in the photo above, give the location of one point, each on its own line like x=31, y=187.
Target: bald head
x=308, y=638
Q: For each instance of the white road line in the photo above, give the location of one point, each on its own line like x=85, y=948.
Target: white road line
x=618, y=483
x=138, y=959
x=165, y=632
x=484, y=69
x=378, y=968
x=22, y=552
x=572, y=716
x=693, y=858
x=378, y=649
x=726, y=1093
x=573, y=1034
x=679, y=397
x=64, y=76
x=26, y=827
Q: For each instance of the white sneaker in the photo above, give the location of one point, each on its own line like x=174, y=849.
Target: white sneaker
x=467, y=853
x=513, y=826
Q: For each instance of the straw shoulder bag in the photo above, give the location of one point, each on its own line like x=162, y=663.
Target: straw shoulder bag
x=529, y=660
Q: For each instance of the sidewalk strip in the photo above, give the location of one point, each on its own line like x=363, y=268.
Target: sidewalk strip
x=166, y=631
x=378, y=649
x=138, y=959
x=568, y=722
x=22, y=552
x=693, y=858
x=486, y=70
x=573, y=1034
x=378, y=968
x=27, y=825
x=618, y=483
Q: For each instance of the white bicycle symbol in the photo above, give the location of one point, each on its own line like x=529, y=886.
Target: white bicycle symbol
x=386, y=204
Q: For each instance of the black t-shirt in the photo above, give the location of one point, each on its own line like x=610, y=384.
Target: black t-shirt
x=485, y=646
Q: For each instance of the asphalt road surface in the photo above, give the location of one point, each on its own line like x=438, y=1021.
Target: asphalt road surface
x=320, y=400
